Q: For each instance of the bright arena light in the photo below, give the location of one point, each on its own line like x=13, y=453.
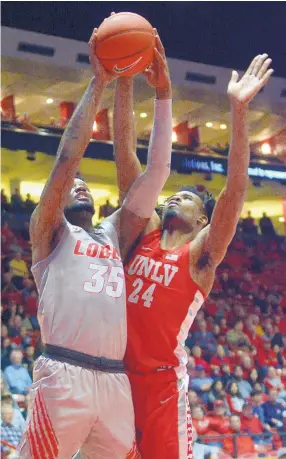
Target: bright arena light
x=174, y=137
x=209, y=124
x=143, y=115
x=50, y=101
x=265, y=149
x=223, y=126
x=281, y=219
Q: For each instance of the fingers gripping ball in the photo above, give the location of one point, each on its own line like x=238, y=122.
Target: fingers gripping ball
x=125, y=44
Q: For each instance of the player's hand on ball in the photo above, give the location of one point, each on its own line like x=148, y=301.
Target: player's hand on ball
x=157, y=74
x=99, y=71
x=256, y=76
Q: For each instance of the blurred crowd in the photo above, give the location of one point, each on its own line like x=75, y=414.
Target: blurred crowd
x=236, y=346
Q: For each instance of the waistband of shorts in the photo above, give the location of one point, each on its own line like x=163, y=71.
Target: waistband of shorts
x=62, y=354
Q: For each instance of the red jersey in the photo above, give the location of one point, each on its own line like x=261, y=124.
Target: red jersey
x=162, y=303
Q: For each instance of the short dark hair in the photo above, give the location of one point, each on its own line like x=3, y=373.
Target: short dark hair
x=79, y=176
x=205, y=196
x=256, y=392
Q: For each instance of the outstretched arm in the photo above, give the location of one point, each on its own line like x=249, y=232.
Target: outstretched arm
x=218, y=235
x=141, y=199
x=48, y=215
x=127, y=164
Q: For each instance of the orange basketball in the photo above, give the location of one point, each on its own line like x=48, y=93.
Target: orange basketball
x=125, y=44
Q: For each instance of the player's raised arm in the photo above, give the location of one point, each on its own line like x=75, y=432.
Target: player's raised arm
x=128, y=165
x=140, y=202
x=218, y=235
x=48, y=216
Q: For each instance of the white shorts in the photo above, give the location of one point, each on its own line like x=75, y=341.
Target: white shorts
x=73, y=408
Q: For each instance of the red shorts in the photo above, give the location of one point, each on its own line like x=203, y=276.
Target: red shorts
x=162, y=416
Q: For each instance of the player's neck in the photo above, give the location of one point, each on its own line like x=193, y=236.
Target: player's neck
x=82, y=219
x=174, y=238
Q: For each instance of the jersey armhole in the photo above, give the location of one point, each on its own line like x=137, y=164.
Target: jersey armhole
x=45, y=261
x=109, y=228
x=147, y=238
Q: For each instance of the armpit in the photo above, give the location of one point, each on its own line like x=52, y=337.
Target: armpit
x=204, y=260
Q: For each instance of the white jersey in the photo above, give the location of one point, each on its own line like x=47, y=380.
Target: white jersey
x=82, y=298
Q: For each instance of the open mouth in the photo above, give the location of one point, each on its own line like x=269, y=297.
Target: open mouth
x=173, y=203
x=82, y=197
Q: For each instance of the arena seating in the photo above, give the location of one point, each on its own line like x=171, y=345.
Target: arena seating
x=236, y=347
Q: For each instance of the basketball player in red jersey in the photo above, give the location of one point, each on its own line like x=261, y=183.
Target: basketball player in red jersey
x=169, y=275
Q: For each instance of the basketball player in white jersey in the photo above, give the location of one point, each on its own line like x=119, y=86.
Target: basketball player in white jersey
x=81, y=398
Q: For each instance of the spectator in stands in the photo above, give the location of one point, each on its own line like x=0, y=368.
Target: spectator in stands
x=274, y=298
x=4, y=201
x=252, y=425
x=266, y=226
x=191, y=367
x=261, y=301
x=244, y=387
x=251, y=330
x=194, y=400
x=223, y=325
x=257, y=402
x=9, y=433
x=228, y=285
x=6, y=348
x=219, y=358
x=217, y=392
x=268, y=332
x=218, y=335
x=25, y=233
x=221, y=414
x=106, y=210
x=246, y=285
x=20, y=311
x=8, y=238
x=236, y=337
x=274, y=411
x=8, y=286
x=226, y=374
x=29, y=359
x=245, y=445
x=10, y=312
x=197, y=354
x=266, y=357
x=247, y=364
x=17, y=204
x=18, y=420
x=17, y=375
x=23, y=339
x=248, y=225
x=29, y=286
x=4, y=385
x=204, y=339
x=29, y=205
x=205, y=425
x=273, y=381
x=201, y=451
x=201, y=383
x=15, y=324
x=254, y=378
x=18, y=269
x=234, y=399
